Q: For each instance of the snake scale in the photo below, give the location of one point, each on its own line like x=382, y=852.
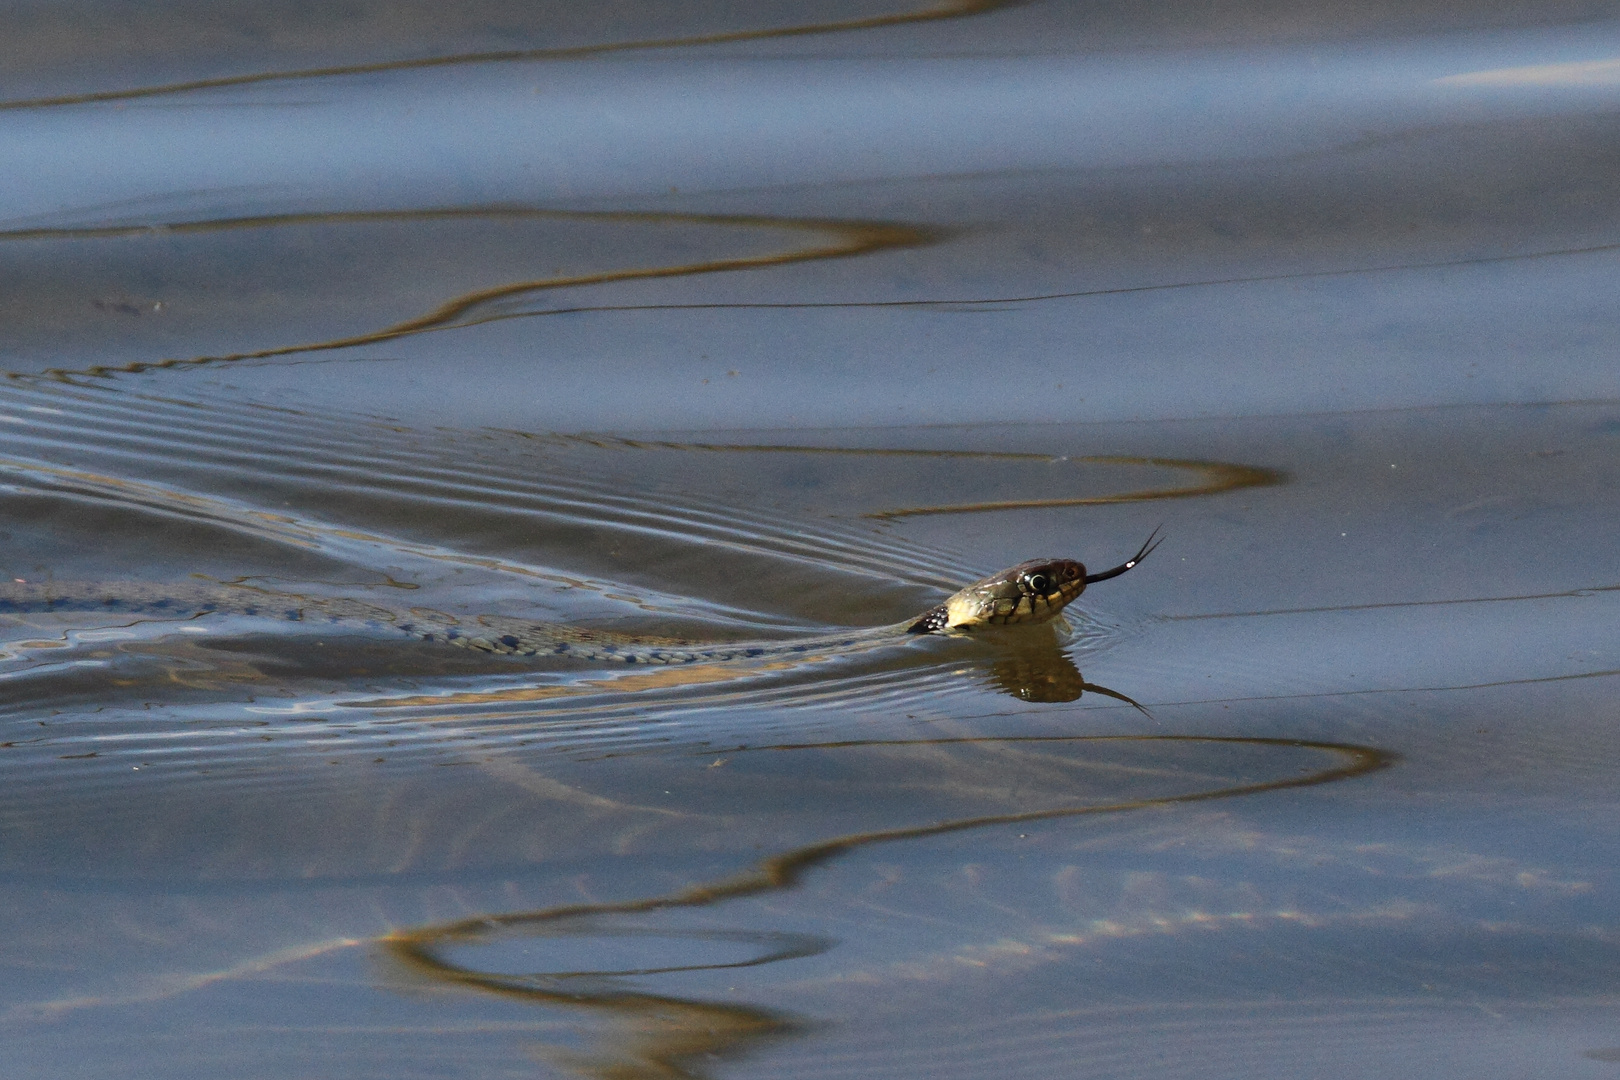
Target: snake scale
x=1030, y=593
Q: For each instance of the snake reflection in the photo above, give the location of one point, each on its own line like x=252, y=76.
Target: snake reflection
x=662, y=1035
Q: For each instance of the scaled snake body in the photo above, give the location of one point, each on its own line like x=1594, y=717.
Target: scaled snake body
x=1030, y=593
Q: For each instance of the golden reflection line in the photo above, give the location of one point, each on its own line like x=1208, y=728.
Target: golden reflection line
x=849, y=238
x=674, y=676
x=952, y=9
x=1529, y=681
x=1217, y=476
x=1568, y=594
x=667, y=1036
x=784, y=871
x=168, y=986
x=991, y=302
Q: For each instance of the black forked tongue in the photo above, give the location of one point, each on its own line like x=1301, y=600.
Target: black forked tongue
x=1147, y=549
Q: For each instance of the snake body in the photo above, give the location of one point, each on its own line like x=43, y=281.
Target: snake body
x=1029, y=593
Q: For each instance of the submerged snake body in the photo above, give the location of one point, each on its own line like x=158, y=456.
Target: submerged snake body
x=1031, y=592
x=484, y=633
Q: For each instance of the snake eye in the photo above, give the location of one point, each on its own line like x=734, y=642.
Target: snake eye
x=1039, y=582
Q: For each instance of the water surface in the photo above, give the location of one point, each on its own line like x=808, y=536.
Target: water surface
x=779, y=325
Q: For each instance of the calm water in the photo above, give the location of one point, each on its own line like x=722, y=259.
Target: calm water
x=758, y=322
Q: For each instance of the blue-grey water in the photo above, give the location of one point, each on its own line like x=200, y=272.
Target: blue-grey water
x=766, y=323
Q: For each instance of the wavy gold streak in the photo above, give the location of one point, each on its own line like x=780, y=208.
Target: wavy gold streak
x=170, y=986
x=849, y=238
x=660, y=678
x=666, y=1036
x=1037, y=677
x=784, y=871
x=1218, y=476
x=620, y=442
x=999, y=302
x=1568, y=594
x=957, y=9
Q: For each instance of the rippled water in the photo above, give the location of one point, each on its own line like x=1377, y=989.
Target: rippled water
x=776, y=324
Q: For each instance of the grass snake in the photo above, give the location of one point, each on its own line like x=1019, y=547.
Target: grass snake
x=1030, y=593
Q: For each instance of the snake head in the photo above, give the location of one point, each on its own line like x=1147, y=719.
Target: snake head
x=1031, y=592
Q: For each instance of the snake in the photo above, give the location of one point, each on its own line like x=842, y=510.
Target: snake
x=1030, y=593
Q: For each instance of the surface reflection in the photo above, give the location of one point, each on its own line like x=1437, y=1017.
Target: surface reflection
x=318, y=287
x=1212, y=477
x=832, y=239
x=650, y=1035
x=1046, y=676
x=951, y=9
